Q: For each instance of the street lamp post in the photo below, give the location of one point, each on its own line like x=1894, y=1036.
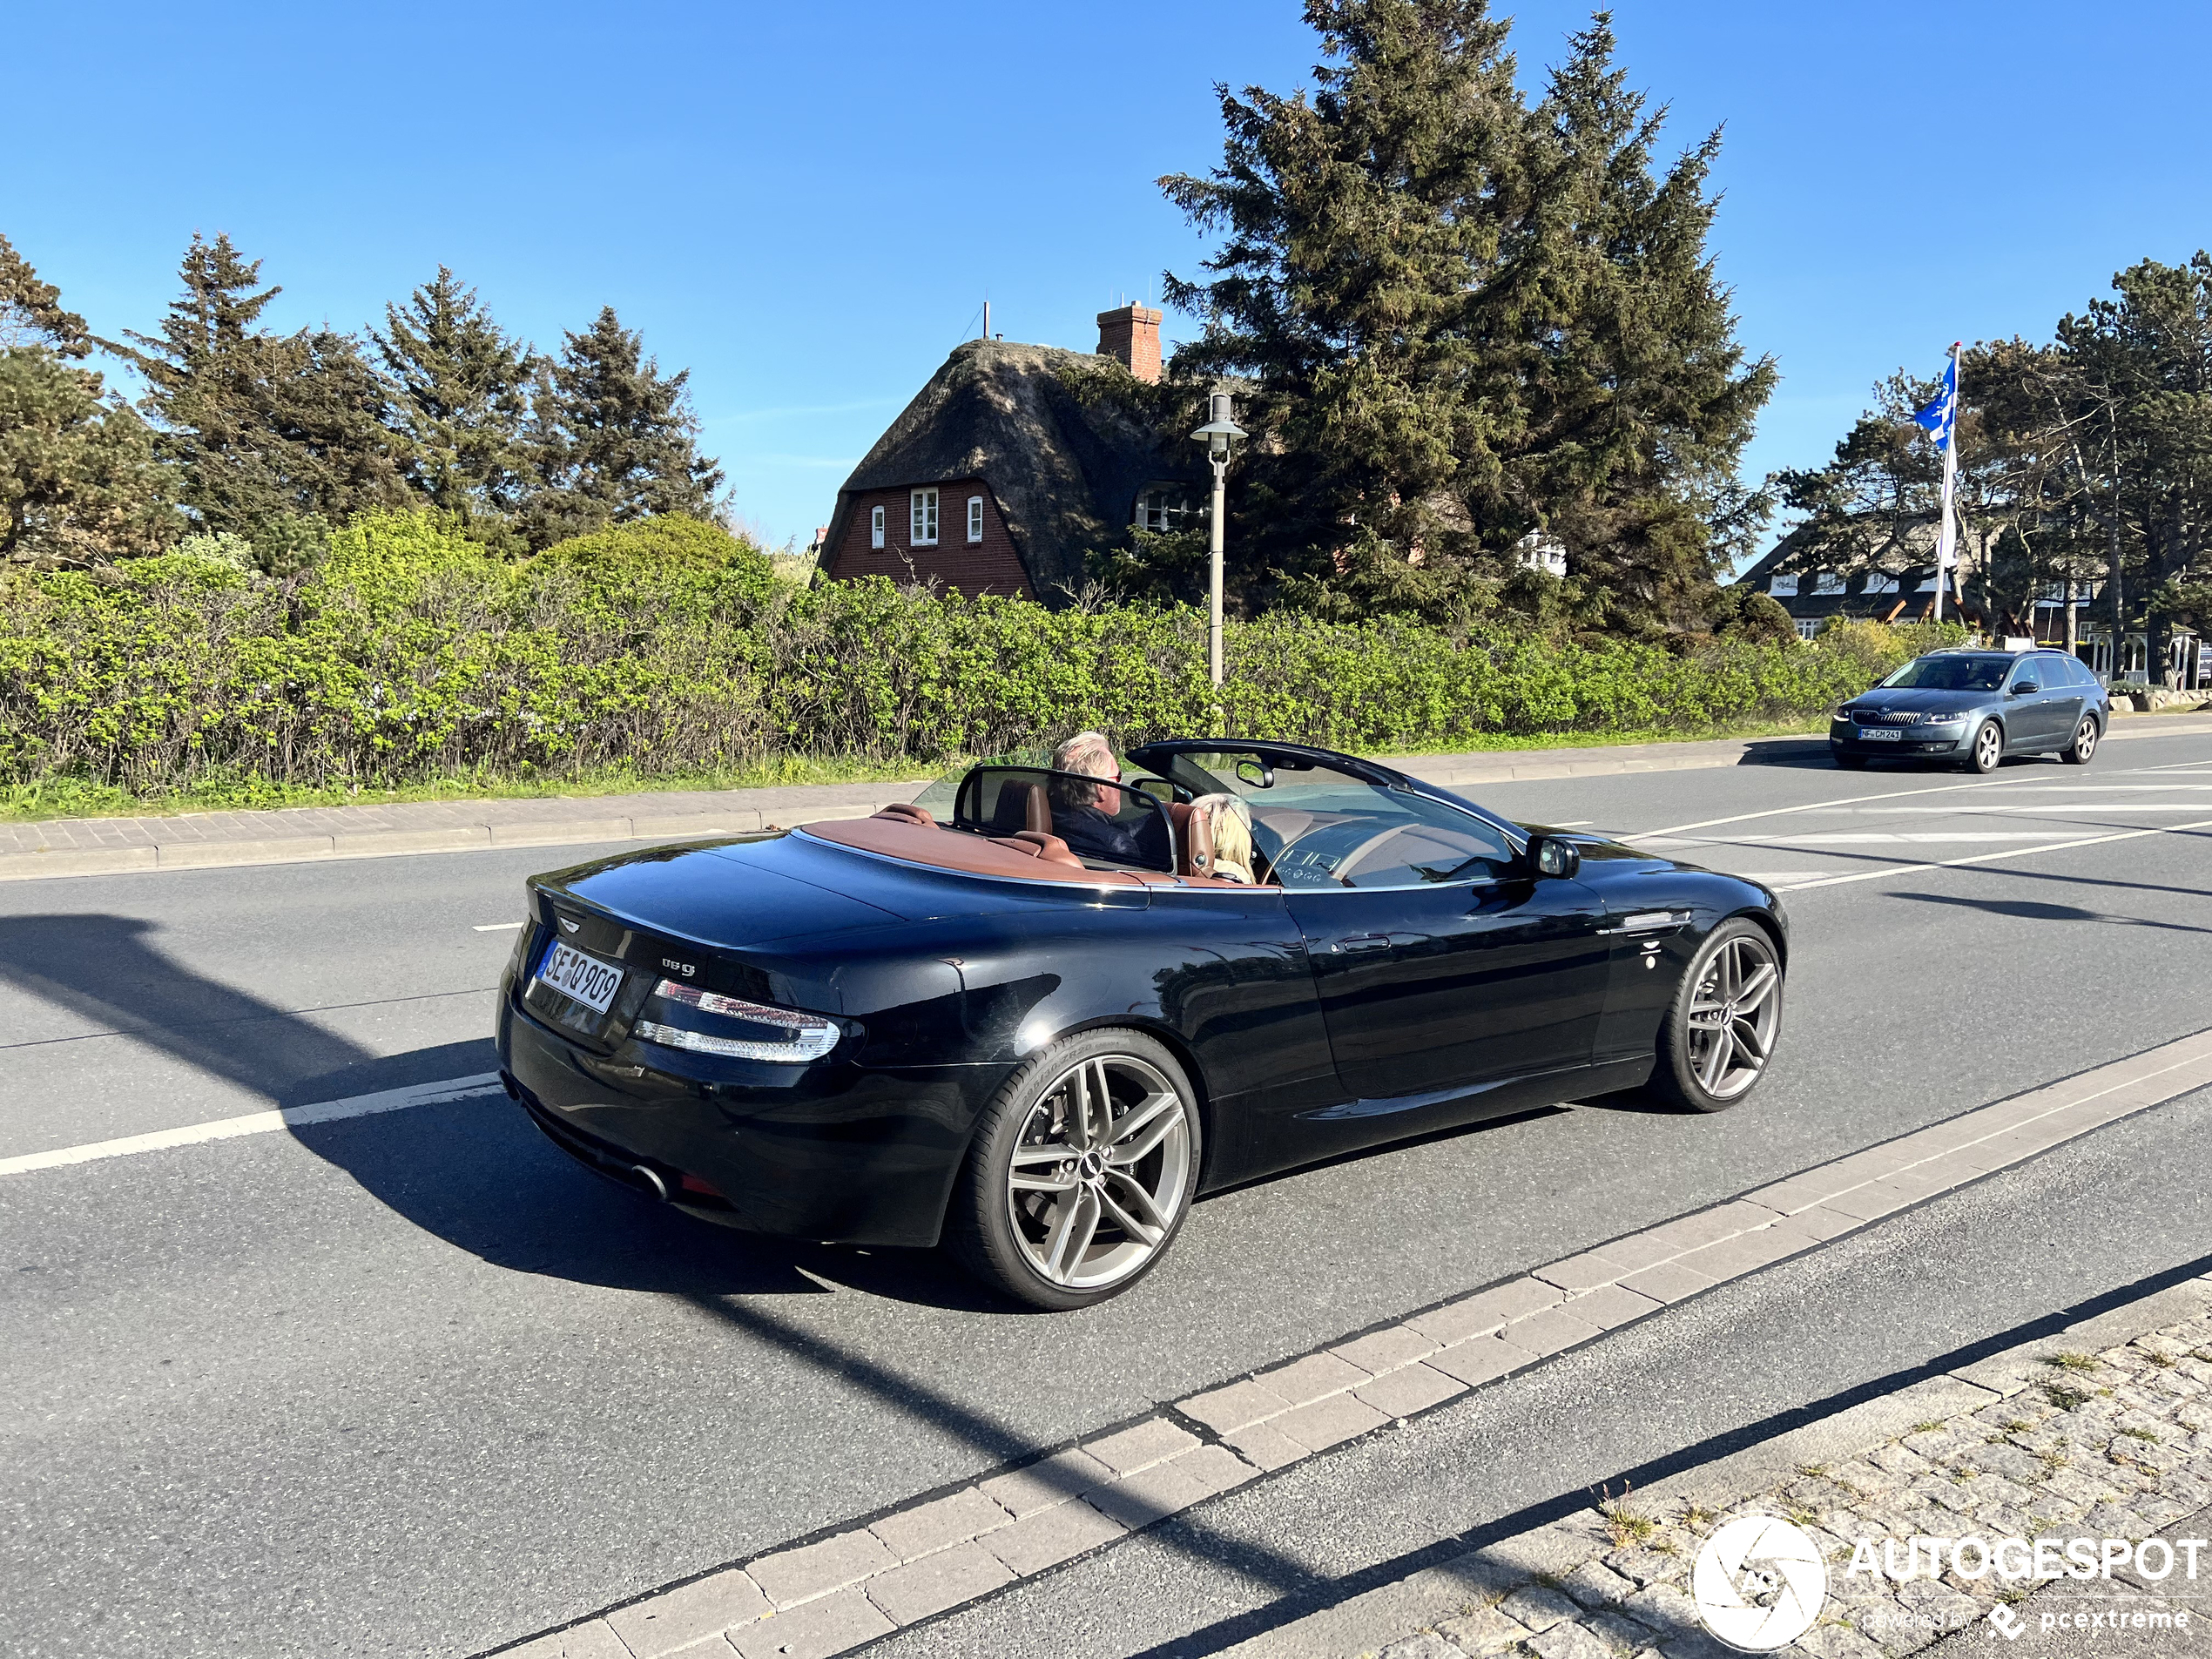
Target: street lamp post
x=1220, y=427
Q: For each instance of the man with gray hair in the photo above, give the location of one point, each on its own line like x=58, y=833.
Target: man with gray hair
x=1085, y=815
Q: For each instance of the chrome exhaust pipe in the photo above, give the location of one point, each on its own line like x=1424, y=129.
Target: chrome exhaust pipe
x=658, y=1186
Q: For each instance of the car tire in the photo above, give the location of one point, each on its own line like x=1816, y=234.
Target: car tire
x=1737, y=958
x=1986, y=751
x=1851, y=763
x=2084, y=746
x=1099, y=1200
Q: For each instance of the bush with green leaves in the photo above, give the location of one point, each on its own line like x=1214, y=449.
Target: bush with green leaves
x=410, y=653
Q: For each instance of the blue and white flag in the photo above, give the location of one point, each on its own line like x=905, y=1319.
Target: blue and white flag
x=1941, y=415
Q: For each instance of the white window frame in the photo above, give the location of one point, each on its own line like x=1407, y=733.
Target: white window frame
x=1808, y=626
x=1880, y=581
x=1827, y=582
x=974, y=520
x=876, y=527
x=921, y=518
x=1784, y=586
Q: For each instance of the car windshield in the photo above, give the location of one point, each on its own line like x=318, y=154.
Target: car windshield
x=1315, y=827
x=1952, y=672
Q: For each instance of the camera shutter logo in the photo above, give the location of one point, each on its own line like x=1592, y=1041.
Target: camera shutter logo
x=1759, y=1583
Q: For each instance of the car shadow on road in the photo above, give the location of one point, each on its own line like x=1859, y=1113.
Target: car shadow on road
x=2036, y=910
x=475, y=1172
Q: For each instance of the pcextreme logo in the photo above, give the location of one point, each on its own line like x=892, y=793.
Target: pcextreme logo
x=1759, y=1583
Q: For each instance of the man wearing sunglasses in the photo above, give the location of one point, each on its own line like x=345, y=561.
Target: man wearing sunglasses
x=1086, y=816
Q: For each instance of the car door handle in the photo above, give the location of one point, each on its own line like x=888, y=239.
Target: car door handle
x=1364, y=942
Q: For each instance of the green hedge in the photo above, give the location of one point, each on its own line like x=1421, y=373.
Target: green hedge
x=412, y=654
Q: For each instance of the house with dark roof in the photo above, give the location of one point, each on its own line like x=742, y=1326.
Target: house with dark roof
x=1898, y=588
x=1015, y=463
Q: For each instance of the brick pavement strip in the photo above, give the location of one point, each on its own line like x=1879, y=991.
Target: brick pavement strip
x=2116, y=1442
x=852, y=1587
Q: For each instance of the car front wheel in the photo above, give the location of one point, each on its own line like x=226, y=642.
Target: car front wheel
x=1082, y=1171
x=2077, y=753
x=1720, y=1031
x=1988, y=747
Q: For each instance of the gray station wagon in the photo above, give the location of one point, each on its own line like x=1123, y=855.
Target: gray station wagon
x=1973, y=708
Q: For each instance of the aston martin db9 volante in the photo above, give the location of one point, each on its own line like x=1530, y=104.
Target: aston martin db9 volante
x=1031, y=1016
x=1972, y=708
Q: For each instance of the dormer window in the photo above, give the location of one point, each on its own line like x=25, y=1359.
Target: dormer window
x=876, y=527
x=924, y=512
x=1827, y=582
x=1783, y=587
x=1163, y=508
x=974, y=519
x=1880, y=581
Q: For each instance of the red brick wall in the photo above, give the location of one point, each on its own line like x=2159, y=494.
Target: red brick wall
x=988, y=566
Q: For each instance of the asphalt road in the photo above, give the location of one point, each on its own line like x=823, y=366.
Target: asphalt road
x=414, y=1384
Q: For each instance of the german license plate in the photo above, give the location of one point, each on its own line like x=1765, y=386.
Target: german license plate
x=1879, y=734
x=586, y=979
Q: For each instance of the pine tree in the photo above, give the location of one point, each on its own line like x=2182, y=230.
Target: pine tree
x=460, y=398
x=273, y=433
x=31, y=313
x=78, y=482
x=1464, y=319
x=613, y=441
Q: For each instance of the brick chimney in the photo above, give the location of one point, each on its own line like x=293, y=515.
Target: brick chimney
x=1132, y=335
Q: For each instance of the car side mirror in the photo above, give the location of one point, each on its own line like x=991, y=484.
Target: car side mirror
x=1553, y=856
x=2024, y=688
x=1258, y=773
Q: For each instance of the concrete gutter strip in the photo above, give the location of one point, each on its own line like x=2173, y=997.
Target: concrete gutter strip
x=314, y=834
x=845, y=1588
x=2114, y=1442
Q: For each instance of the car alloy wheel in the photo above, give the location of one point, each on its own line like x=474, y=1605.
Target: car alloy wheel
x=1988, y=748
x=2085, y=742
x=1721, y=1031
x=1083, y=1171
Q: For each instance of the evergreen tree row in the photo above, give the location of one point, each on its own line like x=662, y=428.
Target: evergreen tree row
x=268, y=441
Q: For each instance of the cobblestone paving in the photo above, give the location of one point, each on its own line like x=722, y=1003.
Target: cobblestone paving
x=2116, y=1444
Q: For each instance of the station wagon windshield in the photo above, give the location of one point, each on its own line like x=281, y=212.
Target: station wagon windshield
x=1961, y=673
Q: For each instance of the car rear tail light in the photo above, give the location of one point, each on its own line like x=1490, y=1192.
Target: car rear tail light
x=692, y=1184
x=792, y=1038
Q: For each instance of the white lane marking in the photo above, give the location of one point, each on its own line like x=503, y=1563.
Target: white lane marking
x=1574, y=823
x=1872, y=839
x=2045, y=808
x=2009, y=853
x=1771, y=876
x=496, y=926
x=225, y=1129
x=2019, y=782
x=1824, y=805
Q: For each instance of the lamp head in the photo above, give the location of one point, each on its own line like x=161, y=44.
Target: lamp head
x=1220, y=426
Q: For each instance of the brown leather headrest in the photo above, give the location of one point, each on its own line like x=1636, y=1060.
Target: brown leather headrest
x=1037, y=812
x=909, y=811
x=1193, y=840
x=1038, y=845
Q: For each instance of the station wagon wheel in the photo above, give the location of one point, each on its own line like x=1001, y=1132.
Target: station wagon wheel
x=1988, y=747
x=1720, y=1032
x=2077, y=753
x=1082, y=1170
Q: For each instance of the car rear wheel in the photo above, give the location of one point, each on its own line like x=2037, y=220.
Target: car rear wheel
x=1721, y=1029
x=1082, y=1170
x=2077, y=753
x=1988, y=747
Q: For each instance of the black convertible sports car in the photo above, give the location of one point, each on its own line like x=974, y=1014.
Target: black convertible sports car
x=1018, y=1016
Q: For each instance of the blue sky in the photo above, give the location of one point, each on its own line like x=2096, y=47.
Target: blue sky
x=806, y=206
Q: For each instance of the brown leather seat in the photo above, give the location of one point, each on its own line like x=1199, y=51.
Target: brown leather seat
x=1193, y=841
x=1036, y=810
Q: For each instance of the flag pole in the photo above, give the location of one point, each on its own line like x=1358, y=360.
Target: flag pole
x=1947, y=542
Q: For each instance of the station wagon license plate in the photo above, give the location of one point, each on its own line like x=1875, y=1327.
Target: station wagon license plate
x=1879, y=734
x=586, y=979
